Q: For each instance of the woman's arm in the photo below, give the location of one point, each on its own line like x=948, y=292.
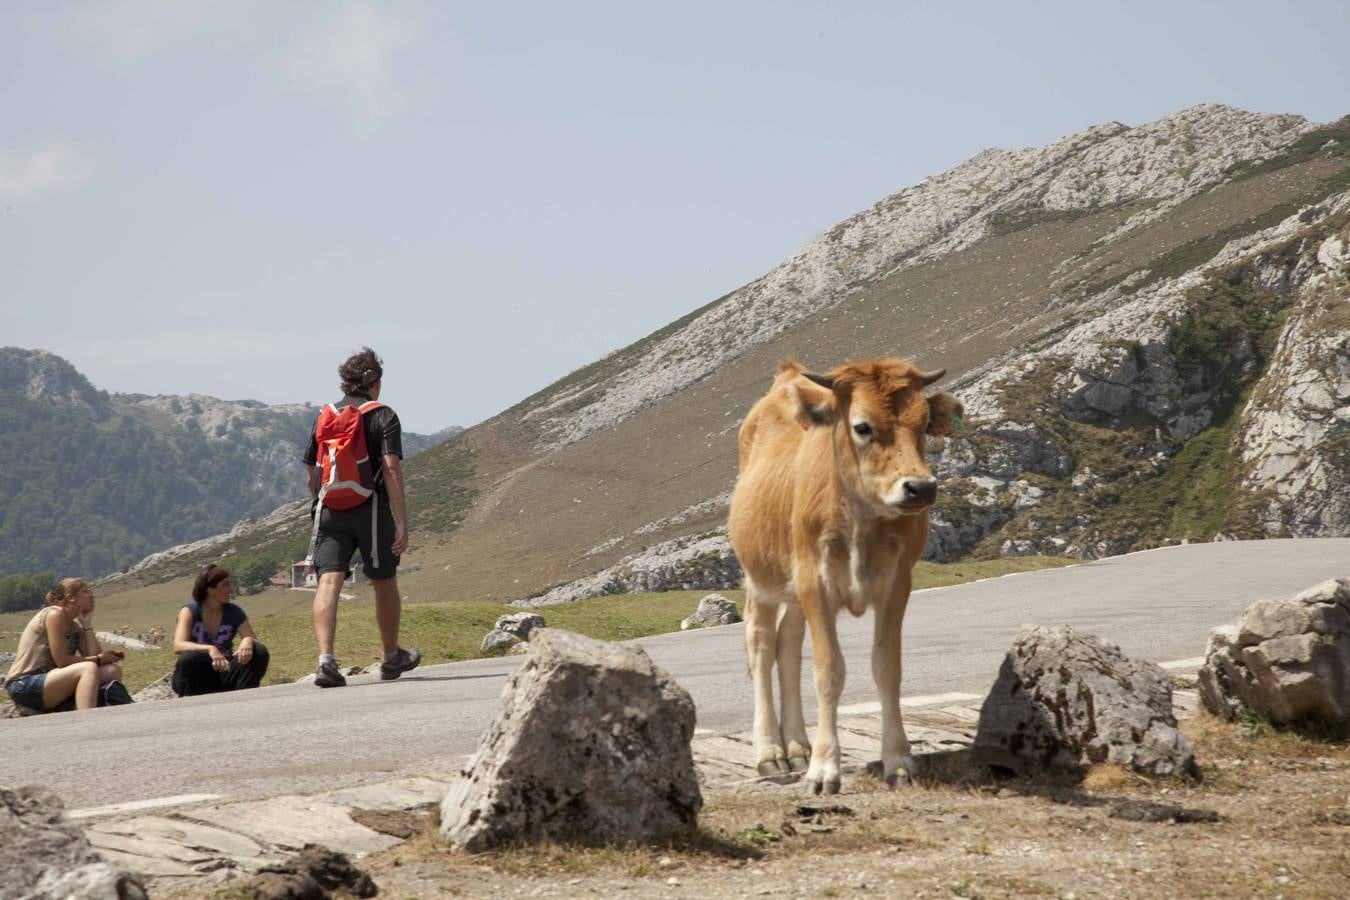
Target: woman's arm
x=56, y=640
x=88, y=639
x=246, y=642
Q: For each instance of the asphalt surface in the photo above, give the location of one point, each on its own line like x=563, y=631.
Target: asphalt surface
x=287, y=739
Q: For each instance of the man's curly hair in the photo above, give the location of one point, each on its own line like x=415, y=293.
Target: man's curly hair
x=360, y=372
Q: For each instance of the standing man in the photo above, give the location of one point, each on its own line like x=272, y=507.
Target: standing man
x=356, y=480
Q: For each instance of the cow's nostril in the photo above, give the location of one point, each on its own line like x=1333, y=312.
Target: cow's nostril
x=920, y=490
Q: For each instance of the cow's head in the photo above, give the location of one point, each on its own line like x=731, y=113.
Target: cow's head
x=879, y=418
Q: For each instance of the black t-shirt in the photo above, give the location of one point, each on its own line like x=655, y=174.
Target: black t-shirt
x=384, y=436
x=232, y=616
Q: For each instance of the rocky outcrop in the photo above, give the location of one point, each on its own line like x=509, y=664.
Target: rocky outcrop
x=1287, y=661
x=43, y=855
x=713, y=610
x=1196, y=343
x=592, y=745
x=698, y=562
x=1070, y=701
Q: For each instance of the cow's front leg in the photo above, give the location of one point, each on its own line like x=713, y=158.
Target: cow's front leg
x=897, y=763
x=791, y=629
x=760, y=647
x=828, y=668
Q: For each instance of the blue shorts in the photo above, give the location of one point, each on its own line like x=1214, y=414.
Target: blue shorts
x=26, y=690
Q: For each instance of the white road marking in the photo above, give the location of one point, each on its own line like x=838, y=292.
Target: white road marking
x=139, y=805
x=1194, y=662
x=863, y=709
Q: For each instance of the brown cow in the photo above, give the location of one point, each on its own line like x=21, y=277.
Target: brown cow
x=830, y=513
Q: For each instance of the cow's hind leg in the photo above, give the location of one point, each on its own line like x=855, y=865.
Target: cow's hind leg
x=761, y=628
x=828, y=668
x=897, y=763
x=791, y=629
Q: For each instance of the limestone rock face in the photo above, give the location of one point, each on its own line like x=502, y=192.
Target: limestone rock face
x=42, y=855
x=1286, y=660
x=1294, y=434
x=592, y=744
x=713, y=609
x=1065, y=700
x=701, y=561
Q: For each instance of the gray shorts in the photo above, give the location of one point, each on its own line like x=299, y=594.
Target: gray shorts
x=368, y=528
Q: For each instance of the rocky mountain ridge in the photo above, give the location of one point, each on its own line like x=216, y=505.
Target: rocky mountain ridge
x=1157, y=166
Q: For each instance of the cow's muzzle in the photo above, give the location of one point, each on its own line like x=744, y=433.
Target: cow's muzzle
x=916, y=494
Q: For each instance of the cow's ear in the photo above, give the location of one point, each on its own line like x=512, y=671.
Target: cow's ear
x=815, y=402
x=944, y=414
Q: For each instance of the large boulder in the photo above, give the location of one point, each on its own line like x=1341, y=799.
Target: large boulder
x=592, y=744
x=713, y=609
x=1070, y=701
x=1285, y=660
x=497, y=640
x=520, y=624
x=42, y=855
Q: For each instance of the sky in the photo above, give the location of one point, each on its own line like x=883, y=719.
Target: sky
x=228, y=197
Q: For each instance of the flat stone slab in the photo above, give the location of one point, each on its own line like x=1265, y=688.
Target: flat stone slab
x=152, y=848
x=406, y=793
x=288, y=823
x=187, y=834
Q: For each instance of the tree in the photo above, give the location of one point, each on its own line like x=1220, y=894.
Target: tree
x=19, y=592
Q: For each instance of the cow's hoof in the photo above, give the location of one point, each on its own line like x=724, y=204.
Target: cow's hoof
x=773, y=767
x=822, y=786
x=900, y=778
x=798, y=763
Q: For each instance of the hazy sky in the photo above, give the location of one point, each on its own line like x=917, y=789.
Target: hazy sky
x=228, y=197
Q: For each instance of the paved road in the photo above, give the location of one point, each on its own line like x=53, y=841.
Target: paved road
x=297, y=739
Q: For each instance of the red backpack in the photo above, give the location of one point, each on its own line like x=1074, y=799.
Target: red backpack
x=347, y=478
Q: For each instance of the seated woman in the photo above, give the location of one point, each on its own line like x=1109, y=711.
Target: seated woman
x=204, y=640
x=59, y=657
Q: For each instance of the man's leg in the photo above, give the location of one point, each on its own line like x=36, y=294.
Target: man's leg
x=325, y=610
x=388, y=612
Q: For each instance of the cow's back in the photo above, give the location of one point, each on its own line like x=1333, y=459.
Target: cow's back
x=771, y=443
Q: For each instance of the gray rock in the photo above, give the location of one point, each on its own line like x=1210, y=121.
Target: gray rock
x=497, y=640
x=713, y=609
x=159, y=689
x=1285, y=660
x=592, y=744
x=44, y=856
x=1070, y=701
x=520, y=624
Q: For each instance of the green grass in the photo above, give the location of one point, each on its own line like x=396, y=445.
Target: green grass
x=446, y=632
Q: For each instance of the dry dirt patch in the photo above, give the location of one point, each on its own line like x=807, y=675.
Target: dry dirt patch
x=1271, y=818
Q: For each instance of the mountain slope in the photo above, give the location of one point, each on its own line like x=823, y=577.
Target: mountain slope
x=1120, y=311
x=95, y=481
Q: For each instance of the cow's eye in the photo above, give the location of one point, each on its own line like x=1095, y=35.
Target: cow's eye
x=862, y=429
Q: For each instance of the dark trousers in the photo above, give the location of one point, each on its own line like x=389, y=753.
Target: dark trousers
x=193, y=673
